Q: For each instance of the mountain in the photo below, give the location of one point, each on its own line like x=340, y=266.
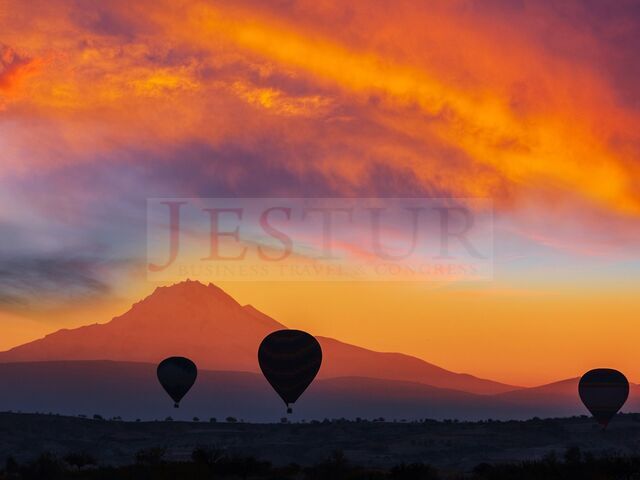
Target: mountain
x=207, y=325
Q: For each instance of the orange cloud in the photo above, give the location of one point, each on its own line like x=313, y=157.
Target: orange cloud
x=485, y=112
x=482, y=123
x=14, y=70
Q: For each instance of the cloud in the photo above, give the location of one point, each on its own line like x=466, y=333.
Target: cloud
x=14, y=70
x=494, y=99
x=39, y=281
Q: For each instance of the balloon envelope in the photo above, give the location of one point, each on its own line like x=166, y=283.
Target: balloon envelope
x=603, y=391
x=177, y=375
x=290, y=360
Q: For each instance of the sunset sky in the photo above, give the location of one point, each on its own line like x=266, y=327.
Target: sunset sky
x=534, y=105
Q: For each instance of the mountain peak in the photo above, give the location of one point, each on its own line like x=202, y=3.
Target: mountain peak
x=182, y=298
x=189, y=319
x=193, y=289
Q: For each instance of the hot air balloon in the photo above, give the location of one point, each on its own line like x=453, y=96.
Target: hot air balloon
x=177, y=375
x=290, y=360
x=603, y=391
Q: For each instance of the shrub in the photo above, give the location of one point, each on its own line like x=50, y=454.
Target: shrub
x=11, y=465
x=206, y=455
x=151, y=456
x=415, y=471
x=46, y=466
x=79, y=460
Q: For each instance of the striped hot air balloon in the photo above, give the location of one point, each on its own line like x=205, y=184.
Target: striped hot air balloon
x=290, y=360
x=177, y=375
x=603, y=391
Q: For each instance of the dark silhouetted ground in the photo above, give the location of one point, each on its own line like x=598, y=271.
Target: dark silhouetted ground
x=447, y=446
x=213, y=464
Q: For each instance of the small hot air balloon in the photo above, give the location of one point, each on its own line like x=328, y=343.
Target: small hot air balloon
x=177, y=375
x=603, y=391
x=290, y=360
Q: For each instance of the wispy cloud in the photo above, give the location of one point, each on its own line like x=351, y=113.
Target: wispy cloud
x=36, y=282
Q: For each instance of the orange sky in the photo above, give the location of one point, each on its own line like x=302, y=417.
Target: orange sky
x=529, y=104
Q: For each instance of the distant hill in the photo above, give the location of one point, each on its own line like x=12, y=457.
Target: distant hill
x=560, y=398
x=131, y=390
x=206, y=324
